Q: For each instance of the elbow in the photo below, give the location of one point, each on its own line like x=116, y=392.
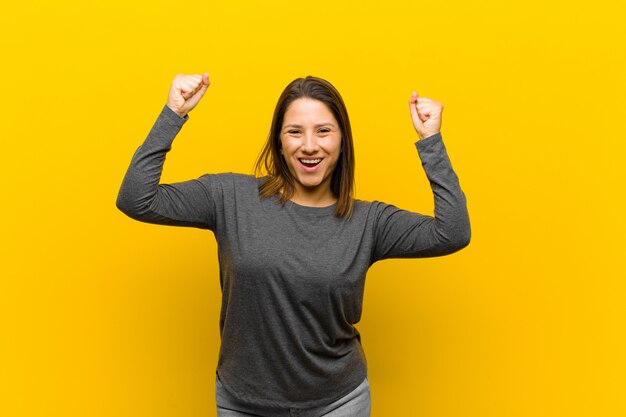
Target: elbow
x=127, y=205
x=456, y=240
x=462, y=234
x=122, y=204
x=134, y=204
x=461, y=238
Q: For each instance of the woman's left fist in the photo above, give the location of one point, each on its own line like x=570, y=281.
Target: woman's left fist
x=426, y=115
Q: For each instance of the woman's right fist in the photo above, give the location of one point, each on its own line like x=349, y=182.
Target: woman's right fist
x=186, y=92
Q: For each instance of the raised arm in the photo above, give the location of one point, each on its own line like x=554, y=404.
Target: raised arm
x=404, y=234
x=141, y=196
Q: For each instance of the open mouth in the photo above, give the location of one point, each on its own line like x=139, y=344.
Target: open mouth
x=310, y=163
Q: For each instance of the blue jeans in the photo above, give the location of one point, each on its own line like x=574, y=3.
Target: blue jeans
x=355, y=404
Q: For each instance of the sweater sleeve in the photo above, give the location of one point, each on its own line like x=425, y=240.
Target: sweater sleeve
x=141, y=197
x=404, y=234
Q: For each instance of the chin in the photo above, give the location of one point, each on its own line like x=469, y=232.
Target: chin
x=310, y=184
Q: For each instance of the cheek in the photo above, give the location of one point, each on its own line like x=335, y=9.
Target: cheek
x=288, y=145
x=336, y=156
x=337, y=148
x=281, y=145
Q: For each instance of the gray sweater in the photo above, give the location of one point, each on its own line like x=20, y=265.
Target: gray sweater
x=292, y=276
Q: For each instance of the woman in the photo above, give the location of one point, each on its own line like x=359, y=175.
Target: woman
x=294, y=246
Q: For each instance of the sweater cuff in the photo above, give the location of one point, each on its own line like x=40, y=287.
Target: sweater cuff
x=172, y=117
x=427, y=143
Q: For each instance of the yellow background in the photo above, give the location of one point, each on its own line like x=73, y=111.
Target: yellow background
x=101, y=315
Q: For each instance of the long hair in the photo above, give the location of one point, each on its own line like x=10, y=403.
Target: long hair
x=280, y=181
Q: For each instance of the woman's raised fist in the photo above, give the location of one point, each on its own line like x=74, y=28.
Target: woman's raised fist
x=186, y=92
x=426, y=115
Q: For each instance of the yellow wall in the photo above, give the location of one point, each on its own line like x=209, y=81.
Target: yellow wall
x=104, y=316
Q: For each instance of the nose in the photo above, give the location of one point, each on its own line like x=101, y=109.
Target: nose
x=309, y=143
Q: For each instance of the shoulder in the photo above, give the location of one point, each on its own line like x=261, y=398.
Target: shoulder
x=229, y=178
x=229, y=182
x=364, y=205
x=371, y=210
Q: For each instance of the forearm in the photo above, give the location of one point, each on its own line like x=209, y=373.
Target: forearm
x=450, y=229
x=140, y=185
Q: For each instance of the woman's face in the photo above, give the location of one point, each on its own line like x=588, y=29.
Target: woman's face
x=311, y=144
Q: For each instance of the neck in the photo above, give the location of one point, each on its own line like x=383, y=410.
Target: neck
x=313, y=197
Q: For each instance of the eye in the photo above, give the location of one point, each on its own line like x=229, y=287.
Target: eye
x=324, y=130
x=293, y=132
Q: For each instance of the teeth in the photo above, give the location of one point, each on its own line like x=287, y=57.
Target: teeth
x=311, y=161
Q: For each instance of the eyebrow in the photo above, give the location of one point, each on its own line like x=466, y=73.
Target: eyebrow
x=317, y=125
